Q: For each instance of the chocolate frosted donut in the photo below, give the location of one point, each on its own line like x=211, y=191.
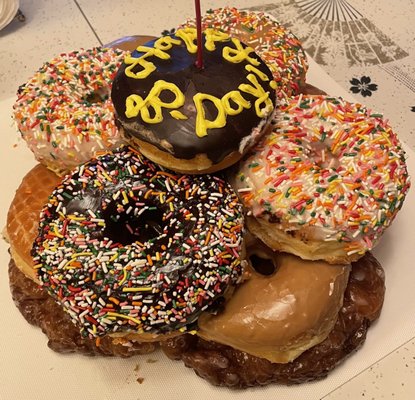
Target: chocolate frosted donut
x=224, y=366
x=190, y=119
x=313, y=90
x=126, y=247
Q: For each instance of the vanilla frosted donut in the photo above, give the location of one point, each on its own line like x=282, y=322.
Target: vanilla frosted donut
x=64, y=112
x=326, y=182
x=277, y=46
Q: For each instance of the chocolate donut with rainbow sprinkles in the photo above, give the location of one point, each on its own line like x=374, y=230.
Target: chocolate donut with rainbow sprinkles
x=127, y=247
x=188, y=118
x=326, y=182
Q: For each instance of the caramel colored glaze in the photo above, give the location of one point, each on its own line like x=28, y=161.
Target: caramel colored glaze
x=23, y=214
x=224, y=366
x=217, y=78
x=280, y=316
x=129, y=43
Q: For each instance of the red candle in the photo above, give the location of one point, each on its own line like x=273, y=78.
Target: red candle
x=199, y=61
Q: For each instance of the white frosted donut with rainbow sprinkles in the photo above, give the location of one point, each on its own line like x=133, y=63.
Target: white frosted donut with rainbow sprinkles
x=65, y=113
x=277, y=46
x=326, y=182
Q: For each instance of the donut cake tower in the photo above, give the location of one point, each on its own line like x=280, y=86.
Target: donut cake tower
x=193, y=193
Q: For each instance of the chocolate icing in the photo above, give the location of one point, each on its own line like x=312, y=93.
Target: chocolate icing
x=217, y=78
x=165, y=232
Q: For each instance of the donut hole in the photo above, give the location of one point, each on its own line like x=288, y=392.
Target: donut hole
x=322, y=156
x=98, y=96
x=217, y=306
x=262, y=265
x=127, y=228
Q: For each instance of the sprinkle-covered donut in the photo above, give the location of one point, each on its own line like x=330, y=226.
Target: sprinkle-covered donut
x=64, y=112
x=276, y=45
x=326, y=182
x=126, y=246
x=190, y=119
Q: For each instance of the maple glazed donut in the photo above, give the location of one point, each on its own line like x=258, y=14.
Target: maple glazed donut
x=228, y=365
x=284, y=306
x=277, y=46
x=64, y=112
x=129, y=43
x=326, y=182
x=125, y=246
x=188, y=119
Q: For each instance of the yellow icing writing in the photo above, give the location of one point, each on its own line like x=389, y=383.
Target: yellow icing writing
x=135, y=104
x=224, y=107
x=263, y=76
x=188, y=35
x=258, y=91
x=237, y=98
x=232, y=103
x=273, y=85
x=148, y=67
x=166, y=43
x=203, y=124
x=178, y=115
x=239, y=54
x=213, y=36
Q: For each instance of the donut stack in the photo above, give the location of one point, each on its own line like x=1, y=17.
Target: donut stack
x=223, y=213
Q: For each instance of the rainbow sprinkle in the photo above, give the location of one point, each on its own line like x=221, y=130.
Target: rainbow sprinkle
x=330, y=165
x=65, y=113
x=276, y=45
x=126, y=246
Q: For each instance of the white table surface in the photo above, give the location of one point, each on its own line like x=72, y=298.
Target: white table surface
x=383, y=369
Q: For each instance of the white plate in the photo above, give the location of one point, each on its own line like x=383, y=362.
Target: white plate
x=8, y=10
x=31, y=371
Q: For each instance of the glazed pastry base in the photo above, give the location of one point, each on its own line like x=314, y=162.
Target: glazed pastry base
x=39, y=309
